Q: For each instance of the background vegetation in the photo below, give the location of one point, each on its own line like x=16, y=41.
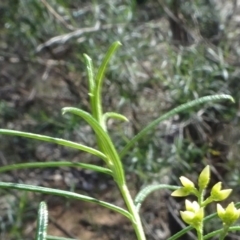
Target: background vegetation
x=173, y=52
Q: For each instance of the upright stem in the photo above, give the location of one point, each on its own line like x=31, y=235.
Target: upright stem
x=200, y=233
x=136, y=221
x=224, y=232
x=200, y=202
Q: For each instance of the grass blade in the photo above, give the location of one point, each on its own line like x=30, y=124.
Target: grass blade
x=89, y=64
x=103, y=67
x=49, y=237
x=171, y=113
x=99, y=81
x=42, y=222
x=92, y=84
x=118, y=116
x=55, y=164
x=219, y=231
x=66, y=194
x=58, y=141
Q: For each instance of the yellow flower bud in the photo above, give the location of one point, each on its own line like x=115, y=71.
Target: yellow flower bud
x=192, y=206
x=188, y=184
x=194, y=214
x=217, y=194
x=228, y=215
x=220, y=211
x=188, y=187
x=204, y=178
x=187, y=216
x=181, y=192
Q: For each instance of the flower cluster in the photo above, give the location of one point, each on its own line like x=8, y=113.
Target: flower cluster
x=189, y=187
x=194, y=213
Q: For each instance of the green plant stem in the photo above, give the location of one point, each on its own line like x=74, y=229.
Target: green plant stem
x=180, y=233
x=200, y=197
x=200, y=202
x=200, y=232
x=224, y=232
x=98, y=122
x=136, y=221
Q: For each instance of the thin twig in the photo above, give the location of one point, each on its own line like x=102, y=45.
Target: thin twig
x=172, y=16
x=66, y=37
x=57, y=16
x=62, y=229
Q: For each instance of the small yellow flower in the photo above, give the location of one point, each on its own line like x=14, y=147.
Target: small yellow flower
x=193, y=215
x=181, y=192
x=192, y=206
x=188, y=187
x=187, y=216
x=228, y=215
x=217, y=194
x=188, y=184
x=204, y=178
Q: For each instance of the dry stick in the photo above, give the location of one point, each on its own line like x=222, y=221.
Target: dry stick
x=61, y=39
x=66, y=37
x=57, y=16
x=62, y=229
x=171, y=15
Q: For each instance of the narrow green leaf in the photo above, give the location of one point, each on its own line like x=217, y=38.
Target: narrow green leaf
x=118, y=116
x=142, y=195
x=102, y=68
x=42, y=222
x=58, y=141
x=112, y=159
x=49, y=237
x=89, y=64
x=99, y=81
x=219, y=231
x=171, y=113
x=66, y=194
x=92, y=84
x=55, y=164
x=180, y=233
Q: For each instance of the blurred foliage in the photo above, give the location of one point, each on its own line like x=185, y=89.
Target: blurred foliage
x=173, y=52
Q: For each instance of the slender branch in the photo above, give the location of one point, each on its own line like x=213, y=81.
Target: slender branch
x=68, y=36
